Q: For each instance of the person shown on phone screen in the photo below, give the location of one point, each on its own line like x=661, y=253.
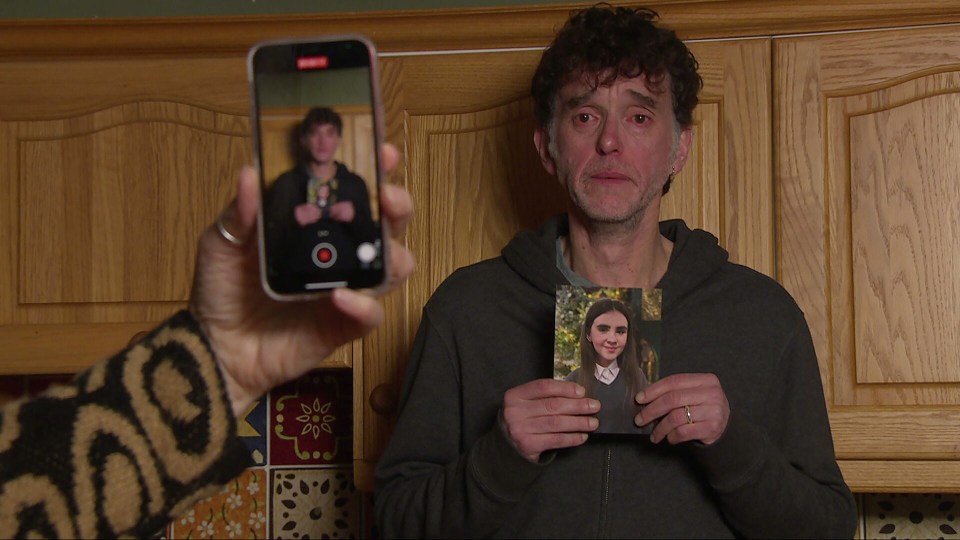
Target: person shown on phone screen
x=318, y=201
x=610, y=366
x=488, y=444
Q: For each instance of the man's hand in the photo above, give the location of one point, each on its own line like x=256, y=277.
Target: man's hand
x=546, y=414
x=342, y=211
x=690, y=406
x=306, y=213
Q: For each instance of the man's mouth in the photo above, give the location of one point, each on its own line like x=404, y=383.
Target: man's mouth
x=609, y=177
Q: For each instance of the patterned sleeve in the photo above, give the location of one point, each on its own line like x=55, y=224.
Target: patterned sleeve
x=127, y=446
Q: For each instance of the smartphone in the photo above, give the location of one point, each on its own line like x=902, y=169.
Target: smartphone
x=317, y=131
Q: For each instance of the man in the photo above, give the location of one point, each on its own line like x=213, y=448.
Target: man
x=318, y=201
x=488, y=445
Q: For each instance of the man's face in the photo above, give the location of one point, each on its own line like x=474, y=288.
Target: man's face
x=322, y=143
x=613, y=147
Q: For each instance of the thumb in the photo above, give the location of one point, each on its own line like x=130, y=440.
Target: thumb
x=360, y=307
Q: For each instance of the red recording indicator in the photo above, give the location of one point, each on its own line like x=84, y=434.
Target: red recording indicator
x=313, y=62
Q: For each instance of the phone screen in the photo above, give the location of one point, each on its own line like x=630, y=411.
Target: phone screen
x=317, y=140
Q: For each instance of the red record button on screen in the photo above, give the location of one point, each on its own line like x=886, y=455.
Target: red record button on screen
x=324, y=255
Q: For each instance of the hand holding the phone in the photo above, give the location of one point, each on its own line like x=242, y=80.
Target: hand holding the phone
x=342, y=211
x=546, y=414
x=259, y=342
x=690, y=406
x=306, y=213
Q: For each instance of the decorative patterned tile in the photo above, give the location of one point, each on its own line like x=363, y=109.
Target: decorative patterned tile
x=238, y=511
x=315, y=503
x=252, y=429
x=312, y=420
x=911, y=516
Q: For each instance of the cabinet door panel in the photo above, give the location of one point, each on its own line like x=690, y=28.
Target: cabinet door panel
x=869, y=238
x=466, y=126
x=111, y=168
x=109, y=208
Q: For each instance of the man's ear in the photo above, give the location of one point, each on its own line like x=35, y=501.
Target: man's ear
x=541, y=139
x=683, y=149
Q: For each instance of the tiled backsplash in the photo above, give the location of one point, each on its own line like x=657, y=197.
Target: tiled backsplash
x=301, y=485
x=300, y=438
x=912, y=515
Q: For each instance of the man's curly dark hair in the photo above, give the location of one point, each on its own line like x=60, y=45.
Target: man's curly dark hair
x=608, y=43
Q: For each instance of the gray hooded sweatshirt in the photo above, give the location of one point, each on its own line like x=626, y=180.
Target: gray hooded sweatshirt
x=449, y=470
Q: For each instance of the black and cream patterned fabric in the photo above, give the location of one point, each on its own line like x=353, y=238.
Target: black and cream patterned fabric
x=130, y=444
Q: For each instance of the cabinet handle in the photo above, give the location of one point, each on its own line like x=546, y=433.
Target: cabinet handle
x=383, y=399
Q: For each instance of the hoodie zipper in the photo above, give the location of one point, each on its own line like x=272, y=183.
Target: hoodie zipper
x=605, y=489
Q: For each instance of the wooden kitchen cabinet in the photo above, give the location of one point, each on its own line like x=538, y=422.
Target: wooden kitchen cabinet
x=111, y=167
x=868, y=130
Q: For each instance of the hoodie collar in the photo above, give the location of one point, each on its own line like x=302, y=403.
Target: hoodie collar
x=696, y=256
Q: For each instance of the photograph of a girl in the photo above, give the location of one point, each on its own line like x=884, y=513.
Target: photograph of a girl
x=611, y=361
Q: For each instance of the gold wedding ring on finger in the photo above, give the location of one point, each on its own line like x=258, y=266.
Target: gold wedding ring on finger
x=227, y=235
x=686, y=411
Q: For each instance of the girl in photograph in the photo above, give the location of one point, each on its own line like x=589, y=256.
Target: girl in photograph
x=610, y=365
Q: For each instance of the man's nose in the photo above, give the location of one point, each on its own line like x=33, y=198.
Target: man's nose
x=609, y=140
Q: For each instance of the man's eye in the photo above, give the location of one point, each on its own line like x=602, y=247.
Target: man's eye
x=583, y=118
x=640, y=118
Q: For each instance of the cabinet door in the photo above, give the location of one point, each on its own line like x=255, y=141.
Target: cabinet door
x=868, y=145
x=111, y=168
x=466, y=127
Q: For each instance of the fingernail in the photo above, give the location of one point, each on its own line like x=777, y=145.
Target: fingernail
x=639, y=397
x=581, y=391
x=594, y=405
x=594, y=423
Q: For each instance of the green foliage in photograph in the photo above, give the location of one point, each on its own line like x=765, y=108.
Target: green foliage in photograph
x=651, y=305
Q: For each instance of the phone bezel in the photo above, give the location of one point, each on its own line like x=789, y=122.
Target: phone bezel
x=322, y=287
